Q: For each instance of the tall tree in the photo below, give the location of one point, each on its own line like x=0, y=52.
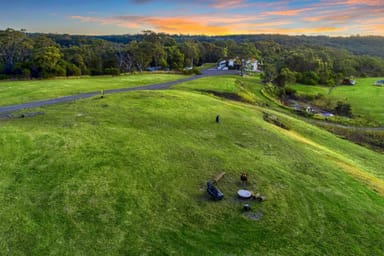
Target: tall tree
x=15, y=47
x=46, y=57
x=190, y=49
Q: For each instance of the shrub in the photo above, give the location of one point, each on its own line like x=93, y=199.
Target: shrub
x=311, y=78
x=343, y=109
x=60, y=71
x=192, y=71
x=73, y=70
x=291, y=92
x=4, y=77
x=112, y=71
x=26, y=73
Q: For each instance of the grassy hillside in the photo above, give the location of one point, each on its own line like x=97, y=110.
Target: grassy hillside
x=126, y=175
x=16, y=92
x=366, y=99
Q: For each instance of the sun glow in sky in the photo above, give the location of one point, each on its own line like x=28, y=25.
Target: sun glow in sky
x=208, y=17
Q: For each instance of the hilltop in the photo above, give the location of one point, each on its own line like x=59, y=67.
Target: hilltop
x=126, y=173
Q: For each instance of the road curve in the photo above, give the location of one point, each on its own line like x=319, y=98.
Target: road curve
x=160, y=86
x=5, y=110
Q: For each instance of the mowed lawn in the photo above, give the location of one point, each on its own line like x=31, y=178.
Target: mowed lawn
x=365, y=98
x=126, y=175
x=16, y=92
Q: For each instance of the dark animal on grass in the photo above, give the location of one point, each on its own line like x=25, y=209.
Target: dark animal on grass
x=244, y=178
x=217, y=119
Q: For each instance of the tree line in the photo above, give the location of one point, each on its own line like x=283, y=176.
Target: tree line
x=34, y=55
x=359, y=45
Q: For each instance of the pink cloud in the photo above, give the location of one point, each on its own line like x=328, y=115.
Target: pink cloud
x=315, y=19
x=227, y=4
x=292, y=12
x=203, y=25
x=366, y=2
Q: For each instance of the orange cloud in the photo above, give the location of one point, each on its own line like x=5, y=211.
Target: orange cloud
x=163, y=24
x=334, y=18
x=366, y=2
x=186, y=26
x=329, y=23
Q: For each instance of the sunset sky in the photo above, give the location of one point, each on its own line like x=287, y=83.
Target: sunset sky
x=209, y=17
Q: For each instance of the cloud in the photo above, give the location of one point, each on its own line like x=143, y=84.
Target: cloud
x=326, y=17
x=292, y=12
x=366, y=2
x=228, y=4
x=164, y=24
x=207, y=25
x=345, y=16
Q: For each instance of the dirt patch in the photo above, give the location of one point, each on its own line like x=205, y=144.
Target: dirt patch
x=5, y=116
x=226, y=95
x=254, y=215
x=30, y=114
x=274, y=120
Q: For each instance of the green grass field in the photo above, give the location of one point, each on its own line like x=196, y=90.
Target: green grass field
x=366, y=99
x=126, y=174
x=16, y=92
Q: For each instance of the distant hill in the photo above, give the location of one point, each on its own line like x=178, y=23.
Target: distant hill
x=360, y=45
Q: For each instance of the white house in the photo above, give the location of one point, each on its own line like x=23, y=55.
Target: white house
x=254, y=65
x=222, y=64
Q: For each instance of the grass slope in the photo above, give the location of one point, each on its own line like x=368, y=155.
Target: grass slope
x=126, y=175
x=16, y=92
x=366, y=99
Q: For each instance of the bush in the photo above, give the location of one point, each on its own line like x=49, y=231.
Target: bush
x=60, y=71
x=4, y=77
x=331, y=82
x=309, y=78
x=291, y=92
x=343, y=109
x=112, y=71
x=73, y=70
x=192, y=71
x=26, y=73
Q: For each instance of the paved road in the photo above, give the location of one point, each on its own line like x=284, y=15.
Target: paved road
x=5, y=110
x=161, y=86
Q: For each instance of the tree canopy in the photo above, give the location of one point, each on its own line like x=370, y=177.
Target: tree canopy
x=309, y=60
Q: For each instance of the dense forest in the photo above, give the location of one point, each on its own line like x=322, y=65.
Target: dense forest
x=305, y=59
x=359, y=45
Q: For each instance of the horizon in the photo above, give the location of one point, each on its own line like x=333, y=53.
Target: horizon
x=197, y=35
x=338, y=18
